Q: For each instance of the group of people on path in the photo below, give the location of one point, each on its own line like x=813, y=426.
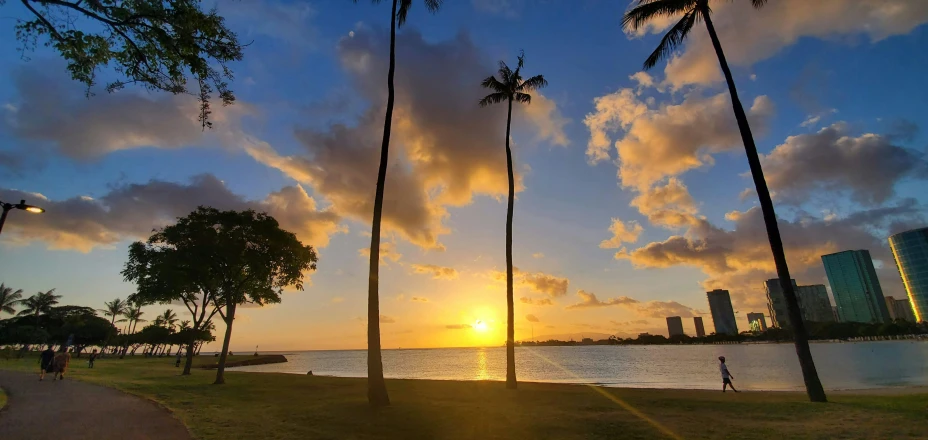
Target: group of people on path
x=54, y=363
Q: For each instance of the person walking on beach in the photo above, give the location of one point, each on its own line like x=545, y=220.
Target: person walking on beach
x=93, y=357
x=726, y=376
x=45, y=361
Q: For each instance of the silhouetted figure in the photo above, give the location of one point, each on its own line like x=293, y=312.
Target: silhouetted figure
x=177, y=362
x=45, y=361
x=93, y=357
x=726, y=375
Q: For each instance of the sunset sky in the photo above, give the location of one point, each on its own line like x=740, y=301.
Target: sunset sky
x=633, y=199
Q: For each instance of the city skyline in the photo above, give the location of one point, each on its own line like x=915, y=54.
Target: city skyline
x=632, y=187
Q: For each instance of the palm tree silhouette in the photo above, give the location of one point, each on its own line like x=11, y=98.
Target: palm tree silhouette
x=114, y=309
x=376, y=387
x=9, y=299
x=693, y=11
x=38, y=304
x=168, y=319
x=510, y=87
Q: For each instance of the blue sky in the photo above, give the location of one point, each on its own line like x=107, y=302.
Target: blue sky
x=836, y=113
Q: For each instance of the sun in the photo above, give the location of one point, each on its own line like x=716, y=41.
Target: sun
x=480, y=326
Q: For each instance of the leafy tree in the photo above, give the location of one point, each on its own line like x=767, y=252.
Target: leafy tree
x=156, y=44
x=9, y=299
x=212, y=261
x=376, y=387
x=692, y=12
x=87, y=329
x=510, y=87
x=39, y=303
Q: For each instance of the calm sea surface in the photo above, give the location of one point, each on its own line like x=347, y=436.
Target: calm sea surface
x=858, y=365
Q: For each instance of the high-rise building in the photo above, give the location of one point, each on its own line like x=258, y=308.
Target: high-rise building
x=723, y=315
x=834, y=312
x=855, y=287
x=900, y=309
x=910, y=250
x=757, y=322
x=674, y=326
x=776, y=302
x=814, y=303
x=700, y=329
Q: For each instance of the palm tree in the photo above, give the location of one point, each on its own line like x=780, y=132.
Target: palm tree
x=693, y=11
x=115, y=309
x=9, y=298
x=376, y=387
x=168, y=319
x=38, y=304
x=510, y=87
x=135, y=316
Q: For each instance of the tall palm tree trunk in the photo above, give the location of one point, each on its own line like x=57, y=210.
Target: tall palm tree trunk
x=221, y=369
x=376, y=387
x=510, y=313
x=809, y=374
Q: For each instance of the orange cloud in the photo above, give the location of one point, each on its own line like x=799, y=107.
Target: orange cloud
x=437, y=272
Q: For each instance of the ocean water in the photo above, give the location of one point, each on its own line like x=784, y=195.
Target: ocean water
x=857, y=365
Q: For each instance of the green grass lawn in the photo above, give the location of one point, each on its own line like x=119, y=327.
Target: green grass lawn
x=283, y=406
x=2, y=398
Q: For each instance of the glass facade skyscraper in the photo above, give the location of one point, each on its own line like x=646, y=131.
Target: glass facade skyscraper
x=855, y=286
x=674, y=326
x=723, y=315
x=910, y=250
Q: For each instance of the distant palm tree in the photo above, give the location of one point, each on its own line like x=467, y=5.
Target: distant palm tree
x=39, y=304
x=9, y=299
x=510, y=87
x=693, y=11
x=376, y=387
x=168, y=319
x=135, y=316
x=115, y=309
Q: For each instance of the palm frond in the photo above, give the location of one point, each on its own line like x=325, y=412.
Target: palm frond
x=534, y=83
x=401, y=13
x=504, y=70
x=493, y=98
x=758, y=3
x=434, y=5
x=494, y=84
x=524, y=98
x=672, y=39
x=647, y=10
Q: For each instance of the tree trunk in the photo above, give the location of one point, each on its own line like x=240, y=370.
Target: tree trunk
x=221, y=369
x=188, y=363
x=510, y=313
x=376, y=387
x=809, y=374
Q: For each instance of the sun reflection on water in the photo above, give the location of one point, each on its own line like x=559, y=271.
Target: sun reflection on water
x=483, y=372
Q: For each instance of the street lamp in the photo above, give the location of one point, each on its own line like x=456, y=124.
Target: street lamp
x=21, y=205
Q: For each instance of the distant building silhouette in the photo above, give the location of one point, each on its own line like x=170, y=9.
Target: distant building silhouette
x=855, y=287
x=674, y=326
x=757, y=322
x=700, y=329
x=900, y=309
x=723, y=315
x=813, y=303
x=910, y=251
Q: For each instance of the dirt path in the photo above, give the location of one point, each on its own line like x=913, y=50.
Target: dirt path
x=54, y=410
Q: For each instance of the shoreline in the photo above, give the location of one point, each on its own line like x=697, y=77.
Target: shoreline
x=876, y=391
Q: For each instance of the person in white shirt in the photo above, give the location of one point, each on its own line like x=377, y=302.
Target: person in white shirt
x=726, y=375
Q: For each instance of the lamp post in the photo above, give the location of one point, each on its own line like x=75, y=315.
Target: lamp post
x=21, y=205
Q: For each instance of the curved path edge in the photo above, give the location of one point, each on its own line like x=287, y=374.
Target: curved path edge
x=52, y=410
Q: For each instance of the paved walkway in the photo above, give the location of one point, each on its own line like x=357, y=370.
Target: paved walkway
x=68, y=409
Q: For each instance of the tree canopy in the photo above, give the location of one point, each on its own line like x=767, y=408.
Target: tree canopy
x=153, y=43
